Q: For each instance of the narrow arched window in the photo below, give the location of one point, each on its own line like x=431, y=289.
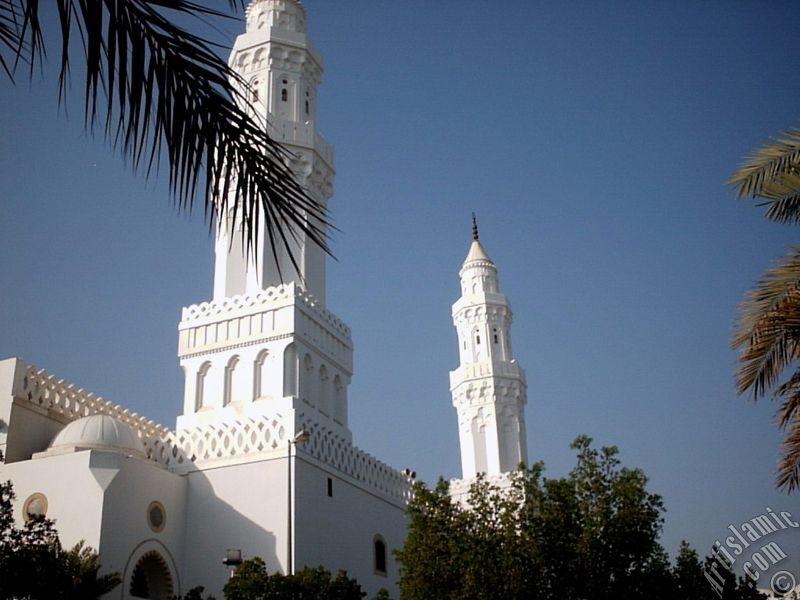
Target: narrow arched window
x=201, y=384
x=339, y=402
x=290, y=371
x=322, y=390
x=260, y=375
x=284, y=95
x=495, y=336
x=228, y=390
x=379, y=552
x=254, y=90
x=308, y=393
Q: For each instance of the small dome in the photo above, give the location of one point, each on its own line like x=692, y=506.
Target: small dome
x=100, y=432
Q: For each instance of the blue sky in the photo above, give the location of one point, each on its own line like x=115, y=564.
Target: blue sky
x=592, y=139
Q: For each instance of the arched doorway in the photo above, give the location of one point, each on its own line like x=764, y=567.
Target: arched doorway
x=151, y=578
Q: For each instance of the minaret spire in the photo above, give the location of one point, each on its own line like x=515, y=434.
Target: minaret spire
x=488, y=388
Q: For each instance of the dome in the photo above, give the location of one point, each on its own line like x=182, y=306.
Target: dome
x=100, y=432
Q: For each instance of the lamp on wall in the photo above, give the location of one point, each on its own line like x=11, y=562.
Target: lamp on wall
x=301, y=437
x=233, y=558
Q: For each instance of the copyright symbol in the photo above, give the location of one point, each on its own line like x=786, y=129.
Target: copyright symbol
x=782, y=583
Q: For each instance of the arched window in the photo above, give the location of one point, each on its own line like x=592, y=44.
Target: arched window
x=339, y=402
x=495, y=335
x=308, y=380
x=151, y=578
x=379, y=554
x=322, y=389
x=260, y=375
x=202, y=384
x=284, y=95
x=254, y=90
x=230, y=369
x=290, y=371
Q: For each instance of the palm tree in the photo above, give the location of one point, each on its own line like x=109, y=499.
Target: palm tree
x=768, y=329
x=154, y=88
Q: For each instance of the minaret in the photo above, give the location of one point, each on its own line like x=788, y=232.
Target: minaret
x=488, y=388
x=263, y=347
x=283, y=70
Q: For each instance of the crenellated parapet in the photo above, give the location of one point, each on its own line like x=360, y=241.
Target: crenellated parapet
x=51, y=393
x=268, y=315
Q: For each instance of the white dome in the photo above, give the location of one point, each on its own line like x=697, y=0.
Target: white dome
x=100, y=432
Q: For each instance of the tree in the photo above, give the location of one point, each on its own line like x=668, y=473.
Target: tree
x=152, y=87
x=33, y=565
x=592, y=534
x=196, y=593
x=252, y=581
x=768, y=330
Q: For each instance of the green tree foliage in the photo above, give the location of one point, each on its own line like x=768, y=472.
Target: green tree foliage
x=34, y=566
x=196, y=593
x=590, y=535
x=768, y=331
x=155, y=90
x=252, y=581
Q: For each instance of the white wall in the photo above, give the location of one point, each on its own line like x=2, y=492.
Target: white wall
x=236, y=506
x=338, y=532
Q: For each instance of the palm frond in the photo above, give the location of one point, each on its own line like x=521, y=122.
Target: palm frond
x=768, y=330
x=773, y=172
x=768, y=336
x=159, y=90
x=789, y=465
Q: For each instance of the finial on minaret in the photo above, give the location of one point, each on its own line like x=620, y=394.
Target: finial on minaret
x=474, y=228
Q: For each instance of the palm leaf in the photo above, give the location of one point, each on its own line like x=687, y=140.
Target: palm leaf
x=768, y=329
x=789, y=465
x=159, y=90
x=772, y=172
x=768, y=336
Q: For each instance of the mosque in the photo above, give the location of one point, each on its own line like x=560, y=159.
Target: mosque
x=261, y=461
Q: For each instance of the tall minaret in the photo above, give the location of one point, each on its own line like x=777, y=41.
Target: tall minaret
x=263, y=347
x=283, y=69
x=488, y=388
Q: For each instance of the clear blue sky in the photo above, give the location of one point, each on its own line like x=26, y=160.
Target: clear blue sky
x=592, y=139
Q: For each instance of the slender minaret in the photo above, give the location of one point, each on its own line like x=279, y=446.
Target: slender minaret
x=488, y=388
x=283, y=69
x=266, y=347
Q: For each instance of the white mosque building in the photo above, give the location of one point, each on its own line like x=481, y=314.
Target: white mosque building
x=261, y=461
